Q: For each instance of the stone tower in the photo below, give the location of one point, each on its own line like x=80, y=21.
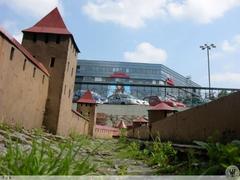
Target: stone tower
x=50, y=41
x=86, y=106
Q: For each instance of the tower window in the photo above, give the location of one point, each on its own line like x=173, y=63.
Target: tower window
x=68, y=66
x=24, y=64
x=34, y=38
x=46, y=38
x=43, y=79
x=12, y=53
x=52, y=62
x=69, y=93
x=64, y=89
x=58, y=39
x=34, y=71
x=72, y=72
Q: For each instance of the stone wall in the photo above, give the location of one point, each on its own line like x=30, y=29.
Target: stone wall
x=76, y=124
x=23, y=86
x=104, y=132
x=219, y=118
x=139, y=133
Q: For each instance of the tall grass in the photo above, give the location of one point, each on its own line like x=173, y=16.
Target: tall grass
x=44, y=158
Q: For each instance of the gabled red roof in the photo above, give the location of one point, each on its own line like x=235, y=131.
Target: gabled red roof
x=162, y=107
x=52, y=23
x=87, y=98
x=140, y=120
x=120, y=75
x=24, y=51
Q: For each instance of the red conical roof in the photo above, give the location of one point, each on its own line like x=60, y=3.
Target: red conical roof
x=87, y=98
x=121, y=125
x=51, y=23
x=140, y=120
x=162, y=107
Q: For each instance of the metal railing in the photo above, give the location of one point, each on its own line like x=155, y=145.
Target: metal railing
x=189, y=95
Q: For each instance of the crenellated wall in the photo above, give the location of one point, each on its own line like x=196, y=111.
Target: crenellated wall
x=23, y=85
x=104, y=132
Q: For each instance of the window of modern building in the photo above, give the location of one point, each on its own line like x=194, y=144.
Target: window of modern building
x=98, y=79
x=78, y=66
x=24, y=64
x=12, y=53
x=52, y=62
x=58, y=39
x=34, y=71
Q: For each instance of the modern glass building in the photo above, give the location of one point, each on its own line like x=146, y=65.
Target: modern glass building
x=128, y=72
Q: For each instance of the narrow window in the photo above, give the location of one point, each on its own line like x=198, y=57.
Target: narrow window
x=72, y=72
x=52, y=62
x=12, y=53
x=46, y=38
x=78, y=66
x=43, y=79
x=65, y=89
x=24, y=64
x=34, y=38
x=34, y=71
x=58, y=39
x=68, y=66
x=69, y=93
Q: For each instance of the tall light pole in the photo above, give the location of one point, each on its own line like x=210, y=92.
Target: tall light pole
x=208, y=48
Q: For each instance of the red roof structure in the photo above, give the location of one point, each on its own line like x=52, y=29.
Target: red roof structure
x=120, y=75
x=170, y=82
x=140, y=120
x=121, y=125
x=162, y=107
x=87, y=98
x=24, y=51
x=52, y=23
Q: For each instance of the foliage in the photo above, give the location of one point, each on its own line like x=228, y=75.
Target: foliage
x=162, y=153
x=220, y=156
x=43, y=159
x=123, y=138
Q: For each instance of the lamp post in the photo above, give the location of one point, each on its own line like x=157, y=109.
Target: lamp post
x=208, y=48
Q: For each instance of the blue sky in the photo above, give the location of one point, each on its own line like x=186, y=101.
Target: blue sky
x=152, y=31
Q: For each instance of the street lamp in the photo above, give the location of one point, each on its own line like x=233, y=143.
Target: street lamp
x=208, y=48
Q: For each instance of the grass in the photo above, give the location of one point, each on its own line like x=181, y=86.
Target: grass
x=43, y=159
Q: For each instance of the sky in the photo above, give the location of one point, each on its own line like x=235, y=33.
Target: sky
x=169, y=32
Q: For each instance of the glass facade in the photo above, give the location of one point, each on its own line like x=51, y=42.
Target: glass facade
x=127, y=72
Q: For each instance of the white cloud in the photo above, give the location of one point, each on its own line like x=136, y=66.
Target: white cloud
x=146, y=53
x=18, y=37
x=134, y=13
x=227, y=79
x=131, y=13
x=37, y=8
x=232, y=45
x=202, y=11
